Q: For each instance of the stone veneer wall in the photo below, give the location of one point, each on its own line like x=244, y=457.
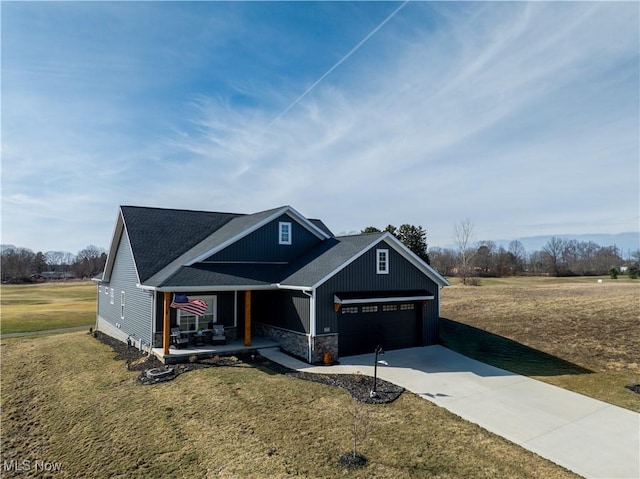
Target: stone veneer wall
x=322, y=344
x=292, y=342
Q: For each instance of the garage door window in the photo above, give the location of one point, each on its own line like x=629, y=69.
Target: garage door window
x=369, y=309
x=350, y=310
x=389, y=307
x=406, y=306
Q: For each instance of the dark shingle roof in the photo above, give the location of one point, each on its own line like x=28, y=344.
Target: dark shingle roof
x=159, y=235
x=226, y=275
x=326, y=258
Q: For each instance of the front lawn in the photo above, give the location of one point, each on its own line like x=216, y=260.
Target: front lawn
x=66, y=400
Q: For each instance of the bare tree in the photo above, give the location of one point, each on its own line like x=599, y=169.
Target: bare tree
x=463, y=232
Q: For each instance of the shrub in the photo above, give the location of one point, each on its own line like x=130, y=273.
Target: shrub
x=613, y=273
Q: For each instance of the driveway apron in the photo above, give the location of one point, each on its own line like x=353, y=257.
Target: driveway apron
x=589, y=437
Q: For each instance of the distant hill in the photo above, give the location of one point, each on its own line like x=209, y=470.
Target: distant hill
x=626, y=242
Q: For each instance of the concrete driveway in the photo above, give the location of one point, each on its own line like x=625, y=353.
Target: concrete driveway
x=587, y=436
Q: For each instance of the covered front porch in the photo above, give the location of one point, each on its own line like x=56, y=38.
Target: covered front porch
x=174, y=355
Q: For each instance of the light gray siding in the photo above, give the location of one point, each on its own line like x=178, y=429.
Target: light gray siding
x=138, y=304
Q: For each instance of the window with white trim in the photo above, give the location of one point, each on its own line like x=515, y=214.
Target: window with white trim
x=382, y=261
x=284, y=229
x=190, y=322
x=121, y=304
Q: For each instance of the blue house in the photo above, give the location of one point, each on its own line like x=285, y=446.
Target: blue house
x=274, y=274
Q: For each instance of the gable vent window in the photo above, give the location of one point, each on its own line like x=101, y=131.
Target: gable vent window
x=382, y=261
x=285, y=233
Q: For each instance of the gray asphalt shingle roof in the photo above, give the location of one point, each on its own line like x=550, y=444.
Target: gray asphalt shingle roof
x=159, y=235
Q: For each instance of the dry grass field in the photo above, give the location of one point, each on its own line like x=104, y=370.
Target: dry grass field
x=38, y=307
x=66, y=401
x=572, y=332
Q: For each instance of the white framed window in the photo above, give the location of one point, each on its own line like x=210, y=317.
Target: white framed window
x=112, y=296
x=190, y=322
x=284, y=229
x=121, y=304
x=382, y=261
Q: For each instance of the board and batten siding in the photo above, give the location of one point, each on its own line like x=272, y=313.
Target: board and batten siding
x=361, y=275
x=283, y=309
x=138, y=308
x=263, y=244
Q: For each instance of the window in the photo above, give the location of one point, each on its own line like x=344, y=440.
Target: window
x=99, y=289
x=406, y=306
x=285, y=233
x=389, y=307
x=121, y=304
x=190, y=322
x=350, y=310
x=112, y=296
x=369, y=309
x=382, y=261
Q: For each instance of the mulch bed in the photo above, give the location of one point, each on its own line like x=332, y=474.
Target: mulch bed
x=153, y=371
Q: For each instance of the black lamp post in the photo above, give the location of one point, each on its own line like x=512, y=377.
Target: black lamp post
x=373, y=393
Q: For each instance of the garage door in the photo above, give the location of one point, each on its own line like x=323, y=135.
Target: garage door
x=393, y=325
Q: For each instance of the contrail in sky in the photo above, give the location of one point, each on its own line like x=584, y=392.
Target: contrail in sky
x=338, y=63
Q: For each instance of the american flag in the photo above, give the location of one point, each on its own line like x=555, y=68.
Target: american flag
x=193, y=306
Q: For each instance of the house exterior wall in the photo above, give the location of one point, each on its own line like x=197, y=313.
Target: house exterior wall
x=288, y=310
x=138, y=307
x=263, y=244
x=361, y=275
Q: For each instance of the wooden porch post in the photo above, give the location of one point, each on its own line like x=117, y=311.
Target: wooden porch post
x=247, y=318
x=166, y=323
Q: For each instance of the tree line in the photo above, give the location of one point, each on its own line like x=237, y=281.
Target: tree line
x=468, y=259
x=22, y=265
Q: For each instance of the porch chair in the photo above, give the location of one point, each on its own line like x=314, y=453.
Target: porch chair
x=177, y=339
x=218, y=336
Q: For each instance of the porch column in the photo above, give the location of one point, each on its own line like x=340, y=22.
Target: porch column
x=247, y=318
x=166, y=323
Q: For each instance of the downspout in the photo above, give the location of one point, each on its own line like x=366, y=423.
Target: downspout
x=312, y=323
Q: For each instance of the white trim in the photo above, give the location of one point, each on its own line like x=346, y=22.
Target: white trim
x=295, y=288
x=379, y=253
x=276, y=214
x=284, y=238
x=397, y=245
x=393, y=299
x=205, y=289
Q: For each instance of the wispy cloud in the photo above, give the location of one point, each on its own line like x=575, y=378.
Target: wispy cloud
x=513, y=114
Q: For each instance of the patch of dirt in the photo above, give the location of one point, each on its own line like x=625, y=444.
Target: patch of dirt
x=634, y=387
x=358, y=385
x=349, y=460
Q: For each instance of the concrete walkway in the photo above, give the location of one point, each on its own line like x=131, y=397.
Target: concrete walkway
x=587, y=436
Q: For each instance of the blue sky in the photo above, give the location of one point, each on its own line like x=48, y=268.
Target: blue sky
x=522, y=117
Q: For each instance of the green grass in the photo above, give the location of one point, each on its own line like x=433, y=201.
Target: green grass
x=39, y=307
x=66, y=400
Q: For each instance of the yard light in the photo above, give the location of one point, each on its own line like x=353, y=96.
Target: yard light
x=373, y=393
